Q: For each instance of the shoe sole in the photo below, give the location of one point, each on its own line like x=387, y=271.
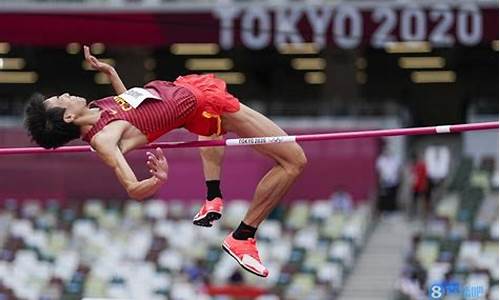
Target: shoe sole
x=238, y=261
x=207, y=220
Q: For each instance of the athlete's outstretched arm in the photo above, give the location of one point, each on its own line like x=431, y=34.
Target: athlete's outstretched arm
x=111, y=154
x=116, y=82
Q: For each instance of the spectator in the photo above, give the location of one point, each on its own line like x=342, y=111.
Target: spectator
x=388, y=167
x=437, y=161
x=419, y=186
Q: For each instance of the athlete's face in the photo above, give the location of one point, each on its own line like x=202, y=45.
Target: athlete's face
x=66, y=101
x=72, y=104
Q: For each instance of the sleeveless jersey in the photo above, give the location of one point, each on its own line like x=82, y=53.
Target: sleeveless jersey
x=152, y=117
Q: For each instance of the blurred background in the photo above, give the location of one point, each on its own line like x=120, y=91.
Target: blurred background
x=380, y=219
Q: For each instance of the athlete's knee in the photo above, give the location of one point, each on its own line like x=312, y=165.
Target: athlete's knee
x=300, y=159
x=296, y=162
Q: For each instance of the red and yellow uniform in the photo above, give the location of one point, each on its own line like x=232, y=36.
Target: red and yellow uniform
x=194, y=102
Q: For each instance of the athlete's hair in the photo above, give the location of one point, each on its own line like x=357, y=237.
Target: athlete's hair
x=47, y=126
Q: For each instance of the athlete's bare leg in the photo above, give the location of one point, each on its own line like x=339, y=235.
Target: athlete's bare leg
x=211, y=158
x=289, y=157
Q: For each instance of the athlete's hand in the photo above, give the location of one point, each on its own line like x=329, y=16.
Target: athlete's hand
x=95, y=63
x=157, y=164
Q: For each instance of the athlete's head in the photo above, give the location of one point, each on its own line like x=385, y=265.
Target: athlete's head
x=51, y=121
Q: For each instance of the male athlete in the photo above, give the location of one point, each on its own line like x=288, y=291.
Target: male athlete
x=116, y=125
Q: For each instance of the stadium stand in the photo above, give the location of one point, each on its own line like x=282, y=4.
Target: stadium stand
x=53, y=252
x=460, y=242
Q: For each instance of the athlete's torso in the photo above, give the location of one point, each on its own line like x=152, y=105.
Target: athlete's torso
x=149, y=120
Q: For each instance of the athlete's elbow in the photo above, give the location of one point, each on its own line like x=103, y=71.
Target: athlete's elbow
x=134, y=193
x=136, y=196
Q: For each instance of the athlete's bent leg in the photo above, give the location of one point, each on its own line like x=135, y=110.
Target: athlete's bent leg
x=289, y=157
x=290, y=161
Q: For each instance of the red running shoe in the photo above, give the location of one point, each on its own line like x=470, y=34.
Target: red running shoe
x=209, y=212
x=246, y=254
